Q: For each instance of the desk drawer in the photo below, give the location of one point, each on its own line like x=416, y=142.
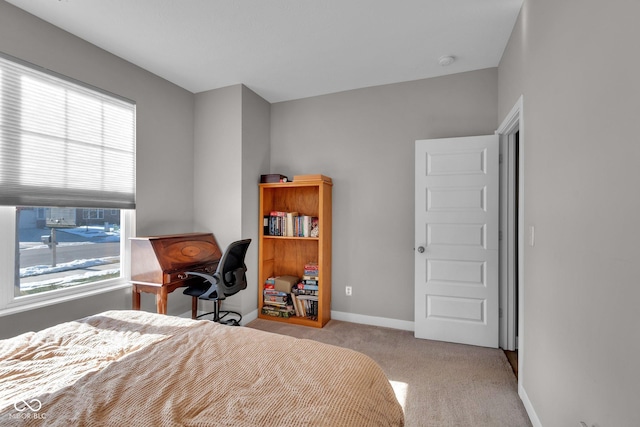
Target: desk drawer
x=175, y=276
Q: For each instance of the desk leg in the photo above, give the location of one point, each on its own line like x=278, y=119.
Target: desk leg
x=135, y=298
x=161, y=300
x=194, y=307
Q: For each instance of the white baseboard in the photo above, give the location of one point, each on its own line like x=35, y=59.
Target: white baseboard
x=535, y=421
x=405, y=325
x=249, y=317
x=384, y=322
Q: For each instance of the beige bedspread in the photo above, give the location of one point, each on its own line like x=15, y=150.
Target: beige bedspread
x=133, y=368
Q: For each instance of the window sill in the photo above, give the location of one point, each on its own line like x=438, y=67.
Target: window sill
x=18, y=307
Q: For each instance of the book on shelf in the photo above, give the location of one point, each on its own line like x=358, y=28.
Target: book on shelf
x=289, y=228
x=310, y=269
x=304, y=225
x=278, y=312
x=302, y=308
x=302, y=285
x=305, y=291
x=270, y=283
x=275, y=292
x=296, y=305
x=276, y=299
x=279, y=307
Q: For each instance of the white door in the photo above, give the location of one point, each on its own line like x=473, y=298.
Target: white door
x=456, y=240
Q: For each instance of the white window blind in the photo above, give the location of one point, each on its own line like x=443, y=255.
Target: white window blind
x=63, y=143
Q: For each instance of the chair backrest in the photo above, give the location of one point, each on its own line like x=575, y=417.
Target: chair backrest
x=232, y=269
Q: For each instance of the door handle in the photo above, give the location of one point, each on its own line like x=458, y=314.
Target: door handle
x=421, y=249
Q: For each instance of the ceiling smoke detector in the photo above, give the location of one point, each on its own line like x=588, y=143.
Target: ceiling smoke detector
x=446, y=60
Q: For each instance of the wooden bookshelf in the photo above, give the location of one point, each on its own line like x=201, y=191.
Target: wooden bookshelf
x=280, y=255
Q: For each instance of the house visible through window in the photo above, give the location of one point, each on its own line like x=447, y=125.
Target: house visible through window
x=67, y=248
x=67, y=186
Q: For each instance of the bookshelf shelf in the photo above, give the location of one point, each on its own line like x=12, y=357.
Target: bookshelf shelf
x=288, y=255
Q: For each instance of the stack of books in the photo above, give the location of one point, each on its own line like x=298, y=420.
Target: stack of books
x=304, y=294
x=310, y=276
x=277, y=302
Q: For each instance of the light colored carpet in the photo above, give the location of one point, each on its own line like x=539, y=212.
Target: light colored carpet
x=443, y=384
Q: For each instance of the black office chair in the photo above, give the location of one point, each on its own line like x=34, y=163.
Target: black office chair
x=229, y=278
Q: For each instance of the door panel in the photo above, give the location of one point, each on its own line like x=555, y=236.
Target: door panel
x=456, y=222
x=456, y=234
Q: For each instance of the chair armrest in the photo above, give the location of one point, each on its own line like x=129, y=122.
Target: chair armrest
x=214, y=280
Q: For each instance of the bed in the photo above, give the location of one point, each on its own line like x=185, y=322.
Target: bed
x=134, y=368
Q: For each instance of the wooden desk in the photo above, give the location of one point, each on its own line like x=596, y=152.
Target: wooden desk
x=159, y=264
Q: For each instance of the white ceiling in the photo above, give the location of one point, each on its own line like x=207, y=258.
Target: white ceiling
x=290, y=49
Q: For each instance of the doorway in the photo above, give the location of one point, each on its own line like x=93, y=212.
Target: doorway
x=512, y=236
x=510, y=245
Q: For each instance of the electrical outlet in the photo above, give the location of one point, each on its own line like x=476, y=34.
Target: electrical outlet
x=347, y=290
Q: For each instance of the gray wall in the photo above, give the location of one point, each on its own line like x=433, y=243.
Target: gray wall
x=217, y=163
x=256, y=148
x=576, y=63
x=365, y=140
x=231, y=151
x=165, y=115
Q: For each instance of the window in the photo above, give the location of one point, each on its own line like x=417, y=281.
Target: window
x=93, y=214
x=67, y=187
x=65, y=251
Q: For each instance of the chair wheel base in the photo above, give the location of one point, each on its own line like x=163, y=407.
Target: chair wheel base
x=219, y=317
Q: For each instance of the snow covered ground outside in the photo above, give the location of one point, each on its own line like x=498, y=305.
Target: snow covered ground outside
x=97, y=235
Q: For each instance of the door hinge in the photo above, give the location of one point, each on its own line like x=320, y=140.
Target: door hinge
x=499, y=158
x=500, y=235
x=500, y=313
